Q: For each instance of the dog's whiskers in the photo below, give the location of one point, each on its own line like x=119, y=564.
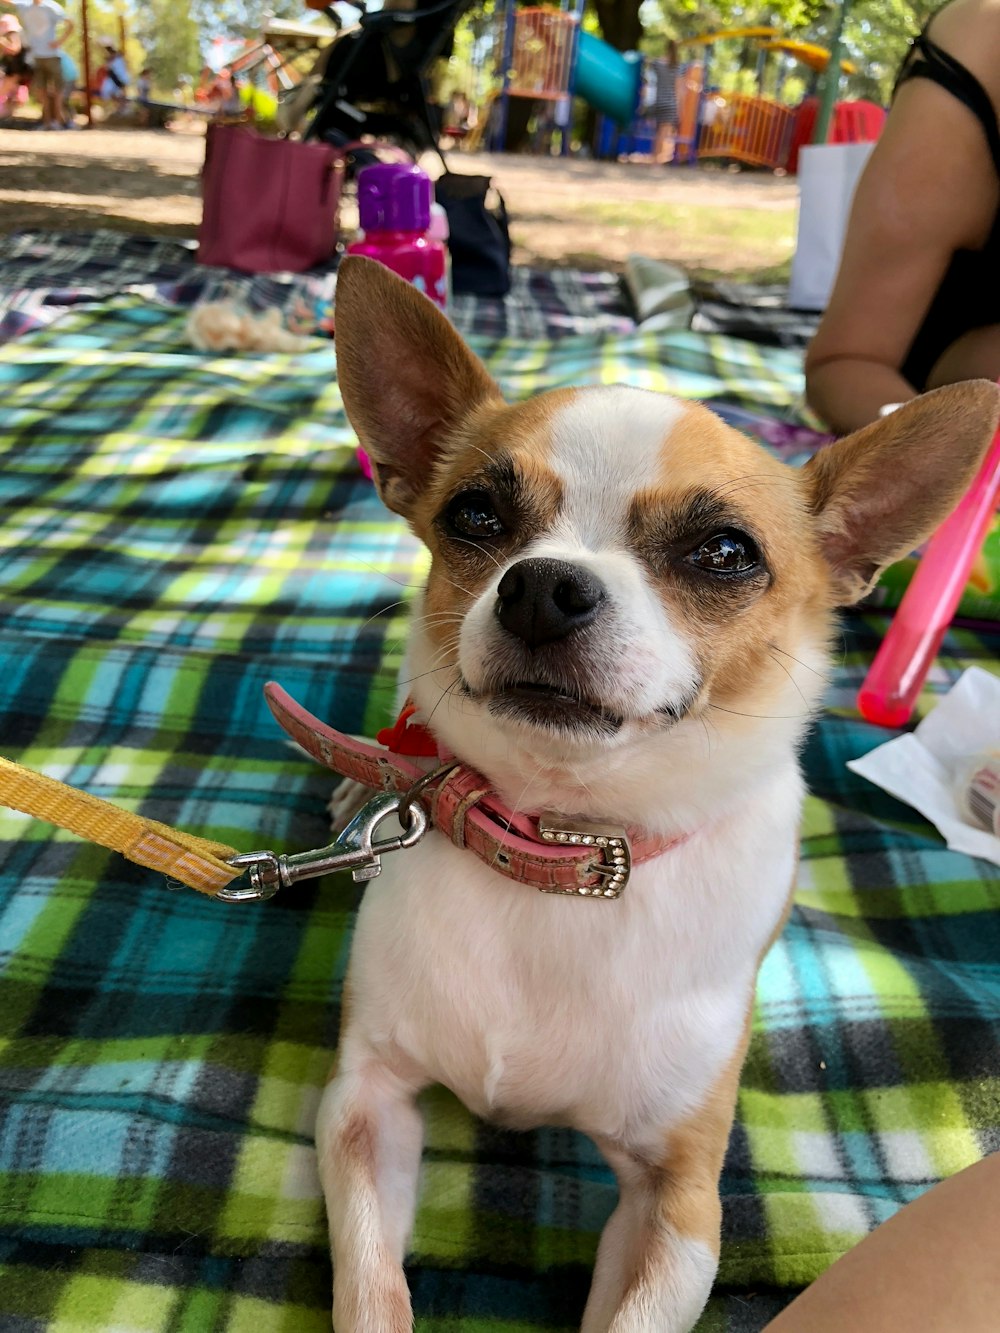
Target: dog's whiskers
x=514, y=810
x=444, y=695
x=764, y=717
x=382, y=611
x=383, y=574
x=410, y=587
x=708, y=735
x=790, y=677
x=749, y=479
x=478, y=548
x=439, y=666
x=823, y=677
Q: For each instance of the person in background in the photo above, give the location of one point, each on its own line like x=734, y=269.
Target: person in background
x=458, y=115
x=665, y=103
x=916, y=303
x=214, y=89
x=114, y=87
x=229, y=86
x=45, y=25
x=206, y=81
x=70, y=77
x=143, y=91
x=14, y=67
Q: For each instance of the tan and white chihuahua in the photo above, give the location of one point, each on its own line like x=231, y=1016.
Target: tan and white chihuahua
x=627, y=619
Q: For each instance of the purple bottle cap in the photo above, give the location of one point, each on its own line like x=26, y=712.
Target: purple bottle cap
x=394, y=196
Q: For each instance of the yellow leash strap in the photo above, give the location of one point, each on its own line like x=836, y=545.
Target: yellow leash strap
x=194, y=861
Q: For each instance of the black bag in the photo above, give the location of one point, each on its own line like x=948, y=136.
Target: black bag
x=479, y=239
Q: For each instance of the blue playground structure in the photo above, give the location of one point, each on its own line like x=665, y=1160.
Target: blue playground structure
x=547, y=56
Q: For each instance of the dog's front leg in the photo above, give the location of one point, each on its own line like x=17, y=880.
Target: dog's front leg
x=659, y=1250
x=369, y=1134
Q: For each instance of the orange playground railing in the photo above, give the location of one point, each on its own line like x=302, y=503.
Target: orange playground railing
x=543, y=52
x=747, y=129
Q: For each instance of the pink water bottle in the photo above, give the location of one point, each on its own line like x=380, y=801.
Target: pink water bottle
x=394, y=209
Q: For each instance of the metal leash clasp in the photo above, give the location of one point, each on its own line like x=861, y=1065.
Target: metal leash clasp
x=354, y=850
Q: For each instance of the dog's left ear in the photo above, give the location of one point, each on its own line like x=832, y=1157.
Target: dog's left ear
x=878, y=493
x=406, y=377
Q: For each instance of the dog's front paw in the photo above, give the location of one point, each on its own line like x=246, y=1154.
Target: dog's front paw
x=346, y=801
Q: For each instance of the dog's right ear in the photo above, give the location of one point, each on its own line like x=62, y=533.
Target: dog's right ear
x=878, y=493
x=407, y=379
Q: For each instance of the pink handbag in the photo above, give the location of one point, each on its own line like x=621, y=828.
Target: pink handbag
x=269, y=205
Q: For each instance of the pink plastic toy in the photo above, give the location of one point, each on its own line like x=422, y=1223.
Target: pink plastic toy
x=901, y=664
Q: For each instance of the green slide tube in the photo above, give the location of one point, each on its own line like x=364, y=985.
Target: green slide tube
x=607, y=79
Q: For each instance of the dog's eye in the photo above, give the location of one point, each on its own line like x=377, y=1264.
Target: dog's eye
x=728, y=552
x=472, y=514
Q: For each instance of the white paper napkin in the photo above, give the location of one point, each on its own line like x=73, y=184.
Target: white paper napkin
x=920, y=767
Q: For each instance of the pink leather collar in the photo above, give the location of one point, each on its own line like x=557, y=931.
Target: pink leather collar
x=551, y=853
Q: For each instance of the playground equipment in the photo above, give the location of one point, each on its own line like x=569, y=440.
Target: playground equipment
x=747, y=128
x=756, y=130
x=547, y=56
x=753, y=130
x=851, y=122
x=809, y=54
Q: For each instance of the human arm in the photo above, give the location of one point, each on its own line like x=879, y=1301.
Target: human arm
x=66, y=30
x=929, y=189
x=931, y=1268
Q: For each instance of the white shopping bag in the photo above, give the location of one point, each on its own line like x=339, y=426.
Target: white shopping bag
x=828, y=174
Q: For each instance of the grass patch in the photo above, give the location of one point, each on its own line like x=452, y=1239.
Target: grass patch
x=771, y=227
x=764, y=274
x=709, y=241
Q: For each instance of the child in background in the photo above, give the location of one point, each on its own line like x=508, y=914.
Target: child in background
x=665, y=104
x=70, y=77
x=143, y=89
x=14, y=67
x=45, y=25
x=114, y=88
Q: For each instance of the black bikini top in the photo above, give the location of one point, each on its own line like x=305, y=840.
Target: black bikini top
x=927, y=60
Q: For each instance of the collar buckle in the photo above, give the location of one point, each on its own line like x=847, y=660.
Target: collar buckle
x=609, y=841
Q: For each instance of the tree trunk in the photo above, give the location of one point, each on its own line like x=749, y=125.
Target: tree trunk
x=621, y=26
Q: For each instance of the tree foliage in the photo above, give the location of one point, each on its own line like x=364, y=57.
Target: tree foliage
x=876, y=32
x=876, y=35
x=241, y=18
x=169, y=34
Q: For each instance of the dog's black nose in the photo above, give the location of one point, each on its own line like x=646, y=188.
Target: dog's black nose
x=539, y=601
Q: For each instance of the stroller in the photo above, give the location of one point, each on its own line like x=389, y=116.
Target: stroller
x=372, y=80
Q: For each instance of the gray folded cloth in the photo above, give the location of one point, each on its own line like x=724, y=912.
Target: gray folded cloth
x=660, y=292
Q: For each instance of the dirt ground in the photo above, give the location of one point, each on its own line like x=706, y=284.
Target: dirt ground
x=563, y=212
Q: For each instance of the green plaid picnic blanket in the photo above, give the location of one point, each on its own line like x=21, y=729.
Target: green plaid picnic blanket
x=177, y=529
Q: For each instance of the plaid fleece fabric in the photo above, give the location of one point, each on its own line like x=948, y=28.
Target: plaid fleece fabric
x=178, y=529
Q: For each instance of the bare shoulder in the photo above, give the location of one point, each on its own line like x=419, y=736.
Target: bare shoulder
x=970, y=31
